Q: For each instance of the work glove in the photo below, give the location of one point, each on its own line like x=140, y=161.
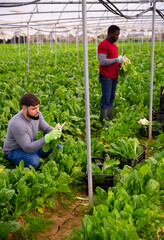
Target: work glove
x=58, y=126
x=120, y=59
x=52, y=135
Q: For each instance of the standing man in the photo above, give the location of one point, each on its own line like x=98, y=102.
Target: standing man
x=20, y=143
x=108, y=71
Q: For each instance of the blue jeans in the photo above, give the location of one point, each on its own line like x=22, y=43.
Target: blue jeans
x=108, y=88
x=33, y=159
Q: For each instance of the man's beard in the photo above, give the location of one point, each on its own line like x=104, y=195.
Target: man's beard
x=32, y=117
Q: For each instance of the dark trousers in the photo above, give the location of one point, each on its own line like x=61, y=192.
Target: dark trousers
x=33, y=159
x=108, y=88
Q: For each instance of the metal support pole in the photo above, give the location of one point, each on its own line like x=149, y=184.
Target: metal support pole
x=55, y=47
x=40, y=40
x=96, y=47
x=50, y=40
x=148, y=43
x=77, y=44
x=132, y=44
x=15, y=42
x=122, y=48
x=152, y=71
x=140, y=45
x=87, y=110
x=37, y=37
x=28, y=40
x=19, y=43
x=65, y=45
x=160, y=38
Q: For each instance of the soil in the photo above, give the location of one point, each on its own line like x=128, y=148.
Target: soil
x=64, y=219
x=67, y=214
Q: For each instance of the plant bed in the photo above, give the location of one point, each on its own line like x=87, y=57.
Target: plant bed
x=103, y=181
x=127, y=161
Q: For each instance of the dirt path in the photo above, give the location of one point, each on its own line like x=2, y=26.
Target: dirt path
x=63, y=220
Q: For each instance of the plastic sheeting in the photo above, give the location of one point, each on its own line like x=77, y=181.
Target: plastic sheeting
x=65, y=17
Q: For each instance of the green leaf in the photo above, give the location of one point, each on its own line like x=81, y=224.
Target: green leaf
x=132, y=235
x=96, y=169
x=63, y=188
x=40, y=201
x=30, y=177
x=8, y=227
x=46, y=147
x=40, y=209
x=145, y=169
x=139, y=213
x=101, y=192
x=110, y=195
x=117, y=205
x=21, y=165
x=6, y=195
x=152, y=187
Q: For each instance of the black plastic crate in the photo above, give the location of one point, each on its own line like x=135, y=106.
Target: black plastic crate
x=162, y=104
x=156, y=128
x=158, y=116
x=128, y=161
x=162, y=91
x=103, y=181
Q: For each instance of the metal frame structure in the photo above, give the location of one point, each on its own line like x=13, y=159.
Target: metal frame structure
x=65, y=16
x=82, y=17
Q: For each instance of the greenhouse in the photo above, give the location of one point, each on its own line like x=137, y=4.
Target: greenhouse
x=73, y=165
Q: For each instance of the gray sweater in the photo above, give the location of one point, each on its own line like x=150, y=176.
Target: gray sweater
x=21, y=133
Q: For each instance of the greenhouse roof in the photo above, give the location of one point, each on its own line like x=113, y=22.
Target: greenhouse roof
x=65, y=17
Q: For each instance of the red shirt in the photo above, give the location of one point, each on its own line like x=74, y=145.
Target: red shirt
x=111, y=50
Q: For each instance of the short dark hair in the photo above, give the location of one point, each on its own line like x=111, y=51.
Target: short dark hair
x=29, y=99
x=113, y=28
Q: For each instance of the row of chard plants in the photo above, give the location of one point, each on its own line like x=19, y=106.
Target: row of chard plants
x=127, y=209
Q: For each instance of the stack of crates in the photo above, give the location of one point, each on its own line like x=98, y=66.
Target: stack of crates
x=156, y=129
x=103, y=181
x=158, y=115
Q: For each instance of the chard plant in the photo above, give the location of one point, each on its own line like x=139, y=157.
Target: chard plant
x=62, y=94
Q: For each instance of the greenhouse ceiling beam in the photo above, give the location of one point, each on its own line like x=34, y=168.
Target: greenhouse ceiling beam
x=90, y=25
x=80, y=2
x=32, y=13
x=148, y=17
x=74, y=11
x=50, y=31
x=57, y=12
x=72, y=26
x=18, y=4
x=61, y=12
x=90, y=30
x=74, y=30
x=75, y=18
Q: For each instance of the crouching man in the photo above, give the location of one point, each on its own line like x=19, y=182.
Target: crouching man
x=20, y=143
